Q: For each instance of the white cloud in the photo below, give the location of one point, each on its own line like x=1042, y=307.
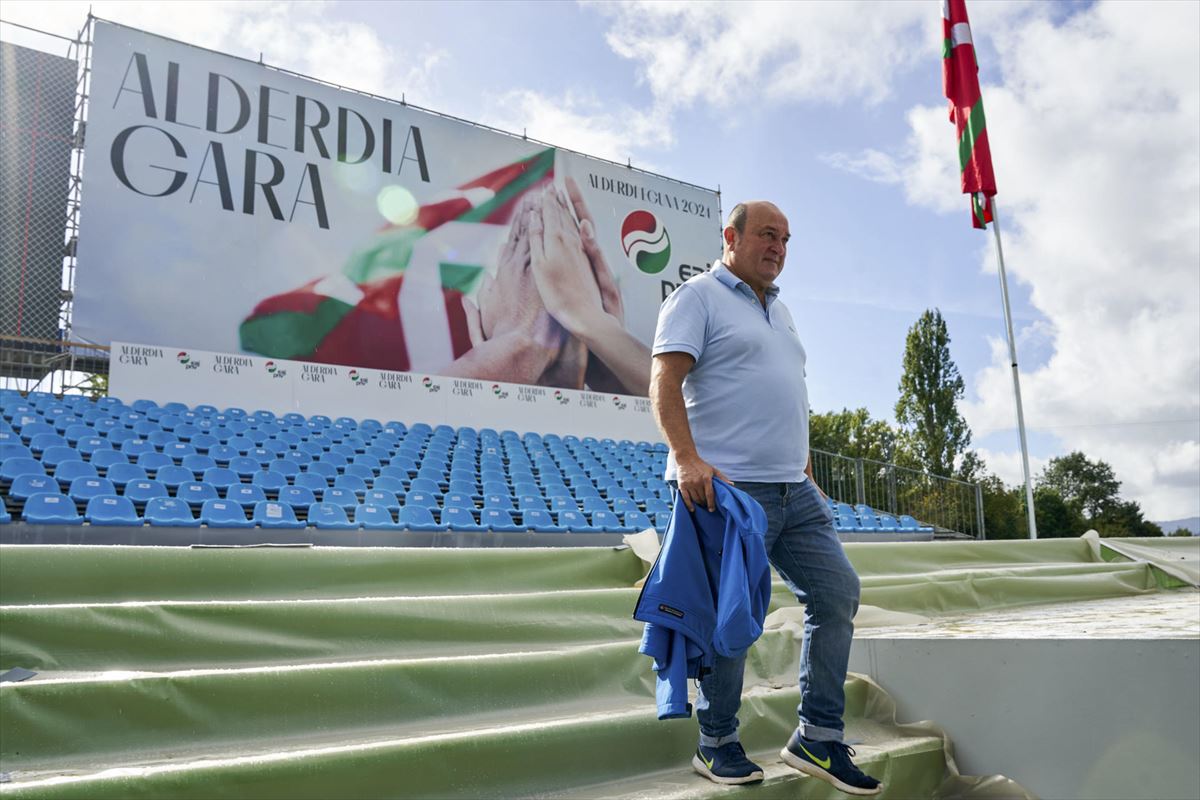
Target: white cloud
x=301, y=37
x=582, y=122
x=1095, y=134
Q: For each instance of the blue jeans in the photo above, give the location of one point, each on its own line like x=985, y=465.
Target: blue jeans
x=804, y=549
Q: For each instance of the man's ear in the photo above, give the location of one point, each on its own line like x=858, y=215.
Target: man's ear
x=729, y=234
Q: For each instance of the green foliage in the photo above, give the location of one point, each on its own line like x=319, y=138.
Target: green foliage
x=95, y=386
x=1124, y=518
x=853, y=434
x=1090, y=487
x=1003, y=510
x=1180, y=532
x=934, y=433
x=1056, y=518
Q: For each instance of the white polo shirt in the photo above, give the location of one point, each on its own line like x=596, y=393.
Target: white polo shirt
x=747, y=403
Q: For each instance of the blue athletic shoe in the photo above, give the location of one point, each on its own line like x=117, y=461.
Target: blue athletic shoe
x=829, y=761
x=726, y=764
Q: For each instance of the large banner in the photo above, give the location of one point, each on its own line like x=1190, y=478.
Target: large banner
x=161, y=374
x=234, y=208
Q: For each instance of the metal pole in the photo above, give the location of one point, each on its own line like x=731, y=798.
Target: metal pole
x=1012, y=354
x=979, y=512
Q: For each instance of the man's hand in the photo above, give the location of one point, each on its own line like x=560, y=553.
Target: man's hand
x=695, y=477
x=606, y=282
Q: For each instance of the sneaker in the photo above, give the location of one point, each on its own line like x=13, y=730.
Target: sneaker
x=829, y=761
x=726, y=764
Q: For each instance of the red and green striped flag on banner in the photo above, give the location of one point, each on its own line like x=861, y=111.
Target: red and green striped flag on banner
x=960, y=78
x=360, y=316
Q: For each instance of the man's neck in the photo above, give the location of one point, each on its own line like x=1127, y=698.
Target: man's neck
x=760, y=291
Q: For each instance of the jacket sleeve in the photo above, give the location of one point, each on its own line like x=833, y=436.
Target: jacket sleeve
x=737, y=629
x=669, y=649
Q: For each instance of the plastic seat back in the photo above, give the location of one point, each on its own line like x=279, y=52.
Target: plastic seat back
x=224, y=514
x=26, y=486
x=375, y=517
x=50, y=508
x=109, y=509
x=327, y=516
x=458, y=518
x=170, y=512
x=142, y=492
x=268, y=514
x=84, y=489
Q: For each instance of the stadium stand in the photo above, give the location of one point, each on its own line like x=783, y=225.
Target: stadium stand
x=218, y=469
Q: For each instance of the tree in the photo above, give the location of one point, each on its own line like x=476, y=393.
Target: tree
x=853, y=434
x=1124, y=518
x=1056, y=518
x=930, y=388
x=1181, y=532
x=1003, y=510
x=1089, y=486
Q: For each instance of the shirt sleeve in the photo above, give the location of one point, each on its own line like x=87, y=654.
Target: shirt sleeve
x=682, y=321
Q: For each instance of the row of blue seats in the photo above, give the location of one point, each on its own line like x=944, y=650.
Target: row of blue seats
x=861, y=518
x=110, y=509
x=386, y=491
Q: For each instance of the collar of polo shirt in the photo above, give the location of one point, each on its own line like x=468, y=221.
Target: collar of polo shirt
x=726, y=276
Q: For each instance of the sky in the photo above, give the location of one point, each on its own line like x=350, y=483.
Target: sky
x=835, y=112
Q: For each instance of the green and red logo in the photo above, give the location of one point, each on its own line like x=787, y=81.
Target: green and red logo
x=356, y=379
x=499, y=391
x=646, y=242
x=619, y=403
x=430, y=385
x=274, y=370
x=563, y=400
x=187, y=361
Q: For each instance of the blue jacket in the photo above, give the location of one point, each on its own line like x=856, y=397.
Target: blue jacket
x=707, y=593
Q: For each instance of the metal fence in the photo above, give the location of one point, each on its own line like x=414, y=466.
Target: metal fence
x=949, y=505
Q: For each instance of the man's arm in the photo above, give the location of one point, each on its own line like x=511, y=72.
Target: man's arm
x=808, y=471
x=666, y=399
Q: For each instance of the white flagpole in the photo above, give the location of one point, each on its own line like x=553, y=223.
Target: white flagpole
x=1012, y=357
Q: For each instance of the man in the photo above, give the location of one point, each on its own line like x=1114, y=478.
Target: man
x=727, y=388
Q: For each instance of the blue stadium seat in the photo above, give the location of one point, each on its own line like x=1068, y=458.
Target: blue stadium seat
x=563, y=504
x=531, y=502
x=32, y=430
x=382, y=497
x=152, y=462
x=623, y=505
x=418, y=498
x=389, y=483
x=135, y=447
x=657, y=506
x=609, y=522
x=68, y=471
x=84, y=489
x=13, y=467
x=327, y=516
x=576, y=522
x=374, y=517
x=26, y=486
x=13, y=450
x=868, y=522
x=223, y=514
x=345, y=498
x=284, y=466
x=418, y=518
x=59, y=454
x=637, y=521
x=458, y=518
x=142, y=492
x=220, y=477
x=351, y=483
x=458, y=500
x=245, y=495
x=78, y=431
x=328, y=471
x=498, y=519
x=162, y=439
x=296, y=496
x=661, y=520
x=172, y=475
x=312, y=481
x=111, y=510
x=275, y=515
x=222, y=454
x=359, y=471
x=888, y=523
x=499, y=501
x=89, y=445
x=908, y=523
x=244, y=466
x=51, y=508
x=198, y=463
x=541, y=521
x=194, y=493
x=845, y=522
x=269, y=482
x=462, y=487
x=169, y=512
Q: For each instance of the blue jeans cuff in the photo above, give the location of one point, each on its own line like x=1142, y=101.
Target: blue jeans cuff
x=718, y=741
x=815, y=733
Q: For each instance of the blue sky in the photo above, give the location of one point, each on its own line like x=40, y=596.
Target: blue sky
x=835, y=112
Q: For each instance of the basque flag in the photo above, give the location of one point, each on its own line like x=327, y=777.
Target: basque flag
x=960, y=80
x=397, y=303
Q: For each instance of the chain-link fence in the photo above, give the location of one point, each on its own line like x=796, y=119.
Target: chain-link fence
x=949, y=505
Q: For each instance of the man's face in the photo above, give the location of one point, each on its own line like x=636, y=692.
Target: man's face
x=759, y=252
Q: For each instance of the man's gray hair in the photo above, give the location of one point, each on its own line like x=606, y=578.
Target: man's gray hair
x=737, y=218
